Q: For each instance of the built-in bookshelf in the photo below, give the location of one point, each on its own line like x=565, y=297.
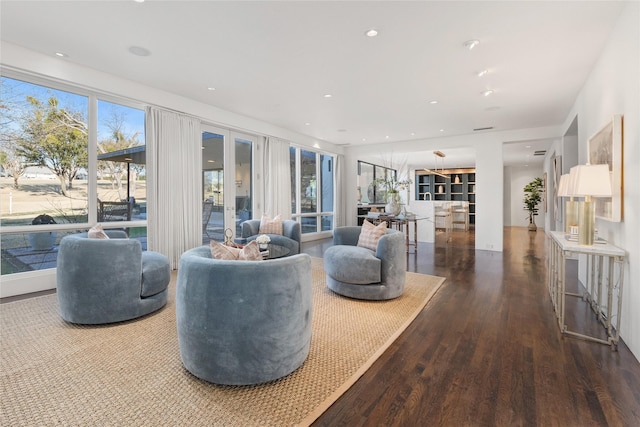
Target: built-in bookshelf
x=459, y=186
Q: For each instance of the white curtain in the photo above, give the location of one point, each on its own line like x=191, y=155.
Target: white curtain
x=277, y=173
x=340, y=191
x=175, y=187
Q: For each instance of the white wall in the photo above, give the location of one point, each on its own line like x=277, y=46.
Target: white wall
x=515, y=178
x=489, y=173
x=613, y=87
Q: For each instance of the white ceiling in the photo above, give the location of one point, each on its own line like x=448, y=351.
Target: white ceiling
x=275, y=61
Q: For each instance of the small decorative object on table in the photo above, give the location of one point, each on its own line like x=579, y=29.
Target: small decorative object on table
x=263, y=241
x=228, y=239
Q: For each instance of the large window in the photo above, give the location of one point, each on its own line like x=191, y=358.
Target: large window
x=121, y=159
x=44, y=154
x=368, y=176
x=312, y=189
x=49, y=169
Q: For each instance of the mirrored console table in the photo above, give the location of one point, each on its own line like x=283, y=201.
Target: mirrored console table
x=603, y=287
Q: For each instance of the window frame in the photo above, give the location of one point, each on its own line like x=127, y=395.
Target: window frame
x=22, y=279
x=297, y=180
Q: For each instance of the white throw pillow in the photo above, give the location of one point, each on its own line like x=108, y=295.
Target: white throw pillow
x=251, y=252
x=370, y=234
x=270, y=226
x=96, y=232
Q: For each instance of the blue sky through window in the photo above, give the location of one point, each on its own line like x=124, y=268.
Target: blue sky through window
x=13, y=99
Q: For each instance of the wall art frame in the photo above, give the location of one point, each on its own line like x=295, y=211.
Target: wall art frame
x=606, y=147
x=557, y=173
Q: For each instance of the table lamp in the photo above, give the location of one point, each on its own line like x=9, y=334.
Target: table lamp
x=589, y=181
x=571, y=206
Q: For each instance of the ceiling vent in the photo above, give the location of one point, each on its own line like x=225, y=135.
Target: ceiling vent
x=540, y=152
x=487, y=128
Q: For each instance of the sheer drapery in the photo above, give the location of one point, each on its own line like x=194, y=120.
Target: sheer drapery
x=277, y=173
x=340, y=205
x=174, y=198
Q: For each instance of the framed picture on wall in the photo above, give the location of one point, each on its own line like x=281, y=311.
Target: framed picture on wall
x=605, y=147
x=557, y=173
x=544, y=191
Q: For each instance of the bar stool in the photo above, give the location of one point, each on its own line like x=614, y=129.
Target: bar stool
x=443, y=216
x=460, y=214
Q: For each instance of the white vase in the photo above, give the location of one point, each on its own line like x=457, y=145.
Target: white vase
x=393, y=206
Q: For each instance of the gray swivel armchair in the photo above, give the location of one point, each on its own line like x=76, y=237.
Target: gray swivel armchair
x=243, y=322
x=105, y=281
x=290, y=238
x=361, y=273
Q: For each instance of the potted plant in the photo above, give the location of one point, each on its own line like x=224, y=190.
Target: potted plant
x=45, y=240
x=532, y=197
x=393, y=186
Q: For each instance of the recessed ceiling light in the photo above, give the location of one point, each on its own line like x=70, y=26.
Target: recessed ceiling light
x=328, y=95
x=211, y=88
x=483, y=73
x=61, y=55
x=364, y=139
x=433, y=102
x=470, y=44
x=371, y=33
x=441, y=130
x=527, y=146
x=307, y=124
x=487, y=92
x=139, y=1
x=139, y=51
x=413, y=133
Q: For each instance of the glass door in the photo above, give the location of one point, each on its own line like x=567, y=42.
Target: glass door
x=227, y=182
x=213, y=189
x=243, y=161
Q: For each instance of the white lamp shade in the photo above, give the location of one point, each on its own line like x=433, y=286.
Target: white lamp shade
x=563, y=187
x=590, y=180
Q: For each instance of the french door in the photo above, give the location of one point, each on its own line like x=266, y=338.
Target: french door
x=227, y=182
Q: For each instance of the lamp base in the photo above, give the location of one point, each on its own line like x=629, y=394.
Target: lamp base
x=570, y=215
x=587, y=221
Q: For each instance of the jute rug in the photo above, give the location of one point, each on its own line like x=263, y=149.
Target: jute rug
x=130, y=374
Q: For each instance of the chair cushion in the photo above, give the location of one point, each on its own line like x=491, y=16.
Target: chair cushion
x=352, y=264
x=370, y=234
x=156, y=273
x=270, y=226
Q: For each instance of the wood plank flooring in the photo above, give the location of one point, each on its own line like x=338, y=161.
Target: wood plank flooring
x=487, y=351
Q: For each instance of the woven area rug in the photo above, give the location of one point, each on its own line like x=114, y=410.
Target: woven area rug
x=130, y=373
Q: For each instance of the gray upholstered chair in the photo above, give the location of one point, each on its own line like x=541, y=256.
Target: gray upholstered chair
x=290, y=238
x=104, y=281
x=243, y=322
x=361, y=273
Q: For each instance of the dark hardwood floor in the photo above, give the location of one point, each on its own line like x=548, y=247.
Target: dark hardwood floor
x=487, y=350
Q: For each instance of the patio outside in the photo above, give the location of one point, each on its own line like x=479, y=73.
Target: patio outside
x=37, y=196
